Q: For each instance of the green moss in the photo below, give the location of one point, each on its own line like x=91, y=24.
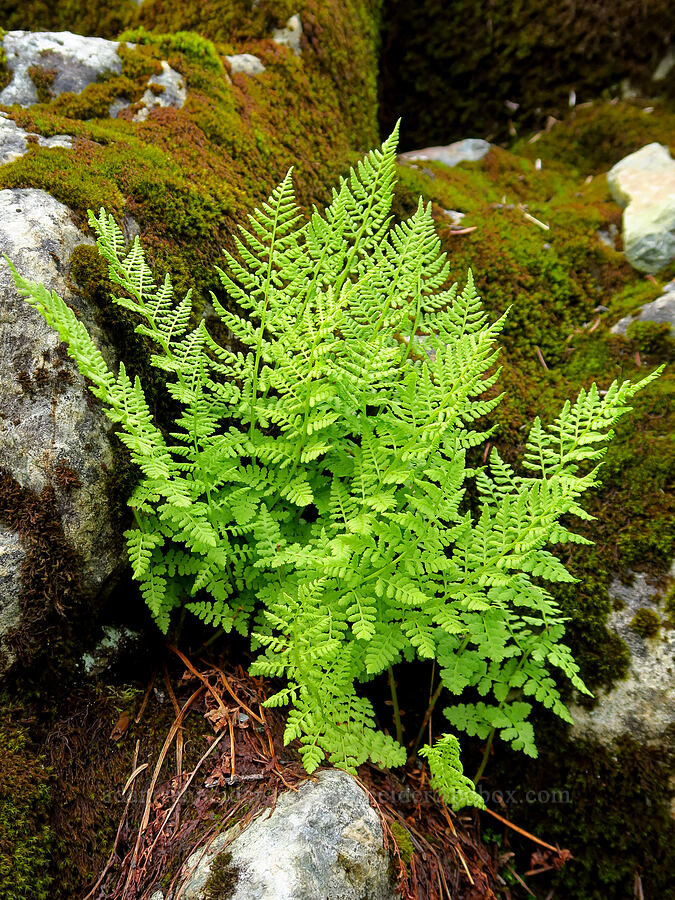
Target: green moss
x=186, y=43
x=99, y=18
x=669, y=605
x=646, y=622
x=25, y=835
x=404, y=843
x=5, y=74
x=592, y=138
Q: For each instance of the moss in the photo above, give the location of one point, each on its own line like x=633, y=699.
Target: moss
x=222, y=881
x=43, y=79
x=186, y=43
x=592, y=138
x=93, y=17
x=51, y=593
x=26, y=838
x=669, y=605
x=521, y=61
x=646, y=622
x=404, y=843
x=609, y=806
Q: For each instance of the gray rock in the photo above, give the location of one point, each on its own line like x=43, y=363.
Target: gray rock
x=642, y=704
x=246, y=63
x=173, y=92
x=468, y=150
x=12, y=556
x=290, y=36
x=77, y=61
x=47, y=418
x=14, y=143
x=325, y=841
x=661, y=310
x=644, y=183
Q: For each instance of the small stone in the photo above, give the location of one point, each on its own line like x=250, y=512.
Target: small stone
x=290, y=36
x=644, y=183
x=245, y=63
x=468, y=150
x=665, y=66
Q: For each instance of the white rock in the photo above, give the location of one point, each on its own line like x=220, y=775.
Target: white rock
x=643, y=704
x=46, y=413
x=468, y=150
x=644, y=183
x=246, y=63
x=323, y=841
x=290, y=36
x=174, y=93
x=77, y=61
x=14, y=143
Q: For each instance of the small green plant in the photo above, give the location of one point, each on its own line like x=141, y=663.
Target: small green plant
x=313, y=490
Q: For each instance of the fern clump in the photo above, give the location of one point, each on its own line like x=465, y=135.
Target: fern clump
x=313, y=490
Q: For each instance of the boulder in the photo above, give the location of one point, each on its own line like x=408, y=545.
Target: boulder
x=74, y=61
x=468, y=150
x=661, y=311
x=643, y=703
x=14, y=141
x=325, y=840
x=51, y=431
x=644, y=184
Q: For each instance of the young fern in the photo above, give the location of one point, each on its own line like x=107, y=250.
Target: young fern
x=312, y=491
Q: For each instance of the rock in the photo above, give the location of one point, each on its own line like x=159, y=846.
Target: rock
x=172, y=92
x=14, y=140
x=75, y=60
x=661, y=310
x=644, y=183
x=642, y=704
x=246, y=63
x=12, y=556
x=290, y=36
x=468, y=150
x=50, y=431
x=323, y=841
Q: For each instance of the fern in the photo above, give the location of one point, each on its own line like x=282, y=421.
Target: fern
x=312, y=491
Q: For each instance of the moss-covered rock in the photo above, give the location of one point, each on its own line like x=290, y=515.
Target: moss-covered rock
x=468, y=69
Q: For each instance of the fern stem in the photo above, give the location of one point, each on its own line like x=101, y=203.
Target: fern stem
x=394, y=701
x=486, y=757
x=425, y=721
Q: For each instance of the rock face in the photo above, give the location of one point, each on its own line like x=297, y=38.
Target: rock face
x=642, y=704
x=644, y=183
x=75, y=62
x=323, y=841
x=14, y=140
x=469, y=150
x=290, y=36
x=661, y=311
x=50, y=432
